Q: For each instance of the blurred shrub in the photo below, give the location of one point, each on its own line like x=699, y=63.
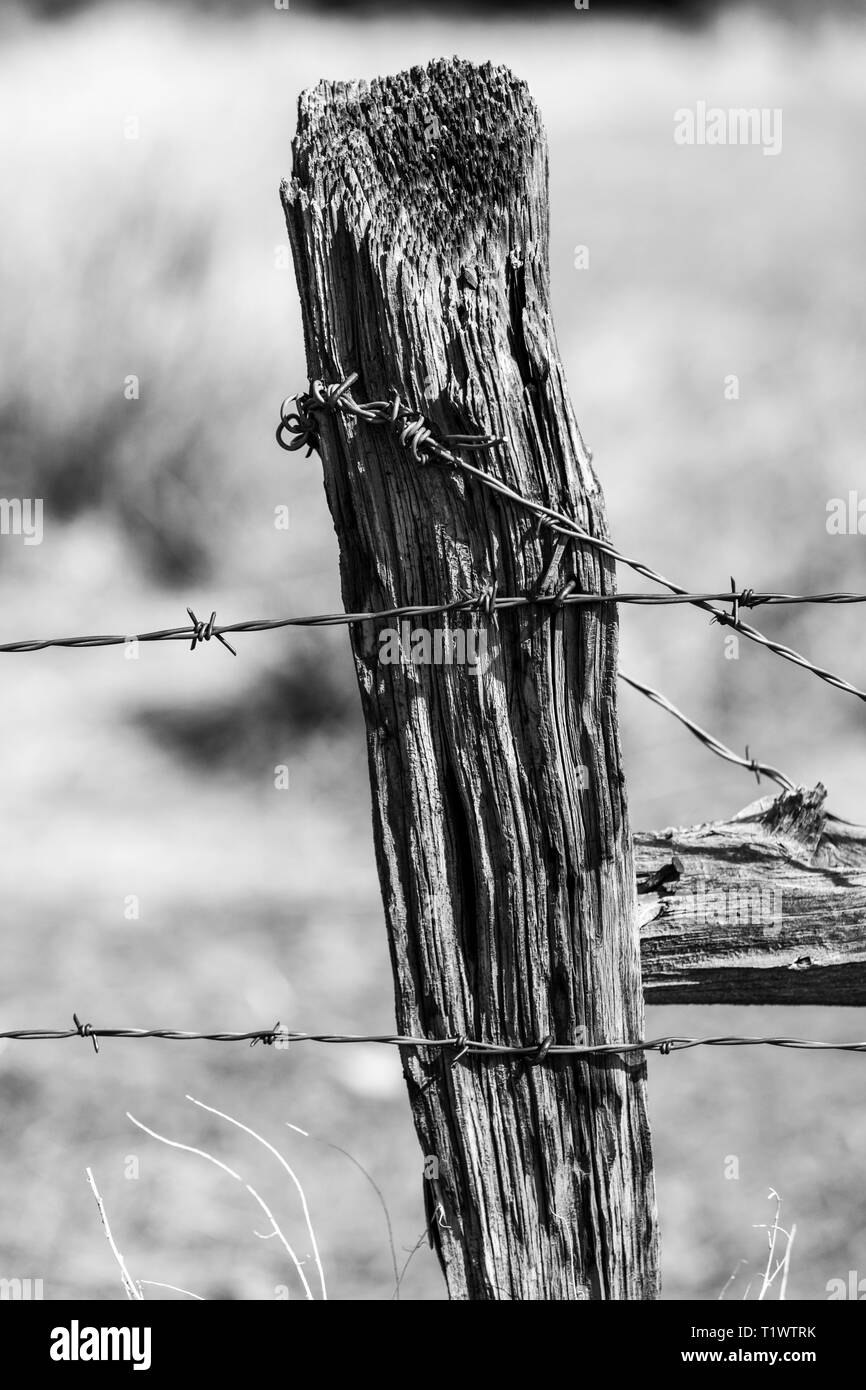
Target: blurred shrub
x=151, y=258
x=314, y=693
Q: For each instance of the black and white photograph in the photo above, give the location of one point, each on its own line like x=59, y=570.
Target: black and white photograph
x=432, y=670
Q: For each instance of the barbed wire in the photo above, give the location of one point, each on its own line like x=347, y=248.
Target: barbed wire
x=488, y=601
x=721, y=750
x=535, y=1053
x=416, y=434
x=709, y=741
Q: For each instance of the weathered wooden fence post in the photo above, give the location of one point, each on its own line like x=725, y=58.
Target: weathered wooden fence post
x=418, y=219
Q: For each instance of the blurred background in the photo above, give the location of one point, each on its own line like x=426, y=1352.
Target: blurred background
x=152, y=875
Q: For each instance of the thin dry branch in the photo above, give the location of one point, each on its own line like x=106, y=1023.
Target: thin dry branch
x=202, y=1153
x=129, y=1286
x=288, y=1168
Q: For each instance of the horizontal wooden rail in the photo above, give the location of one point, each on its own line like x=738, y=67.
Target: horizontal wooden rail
x=766, y=908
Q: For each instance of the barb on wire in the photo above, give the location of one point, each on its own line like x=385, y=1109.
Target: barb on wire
x=721, y=750
x=413, y=431
x=416, y=432
x=460, y=1046
x=709, y=741
x=204, y=631
x=487, y=602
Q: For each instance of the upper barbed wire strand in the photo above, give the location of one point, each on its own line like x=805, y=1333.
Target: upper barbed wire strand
x=483, y=603
x=467, y=604
x=413, y=427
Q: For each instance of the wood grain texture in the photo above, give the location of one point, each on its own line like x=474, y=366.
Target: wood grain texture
x=418, y=217
x=767, y=908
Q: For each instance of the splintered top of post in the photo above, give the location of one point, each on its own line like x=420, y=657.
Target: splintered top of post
x=450, y=155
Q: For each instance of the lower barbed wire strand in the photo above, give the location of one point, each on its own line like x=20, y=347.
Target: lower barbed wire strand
x=540, y=1051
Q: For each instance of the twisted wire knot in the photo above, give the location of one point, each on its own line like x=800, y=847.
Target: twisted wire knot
x=298, y=420
x=744, y=598
x=461, y=1047
x=483, y=602
x=301, y=422
x=327, y=396
x=541, y=1051
x=413, y=432
x=753, y=765
x=486, y=601
x=85, y=1030
x=267, y=1039
x=568, y=588
x=203, y=631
